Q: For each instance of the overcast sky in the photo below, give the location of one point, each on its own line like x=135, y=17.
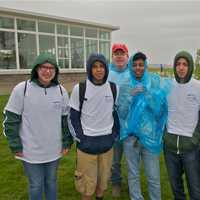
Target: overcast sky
x=158, y=28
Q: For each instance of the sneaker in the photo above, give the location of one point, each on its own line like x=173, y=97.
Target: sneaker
x=99, y=198
x=116, y=190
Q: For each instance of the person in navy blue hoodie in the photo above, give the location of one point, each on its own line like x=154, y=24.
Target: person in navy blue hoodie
x=95, y=126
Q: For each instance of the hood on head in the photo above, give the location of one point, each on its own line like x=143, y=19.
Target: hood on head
x=130, y=65
x=91, y=60
x=41, y=59
x=188, y=57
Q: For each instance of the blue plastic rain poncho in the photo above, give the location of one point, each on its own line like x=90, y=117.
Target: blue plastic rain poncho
x=147, y=113
x=119, y=76
x=122, y=78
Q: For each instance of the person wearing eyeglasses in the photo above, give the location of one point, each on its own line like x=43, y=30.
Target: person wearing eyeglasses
x=36, y=126
x=146, y=120
x=119, y=74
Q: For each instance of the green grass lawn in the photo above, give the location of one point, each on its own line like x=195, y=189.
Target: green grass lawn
x=166, y=71
x=13, y=183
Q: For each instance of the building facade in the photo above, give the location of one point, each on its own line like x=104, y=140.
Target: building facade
x=24, y=35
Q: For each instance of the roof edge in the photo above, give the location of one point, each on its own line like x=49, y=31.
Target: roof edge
x=47, y=16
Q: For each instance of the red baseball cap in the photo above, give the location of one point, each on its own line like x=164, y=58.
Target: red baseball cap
x=119, y=46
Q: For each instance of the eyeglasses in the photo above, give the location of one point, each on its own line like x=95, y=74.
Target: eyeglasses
x=46, y=68
x=119, y=53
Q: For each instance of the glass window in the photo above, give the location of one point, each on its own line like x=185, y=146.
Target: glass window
x=63, y=63
x=7, y=50
x=46, y=27
x=90, y=32
x=6, y=22
x=104, y=48
x=25, y=25
x=27, y=49
x=91, y=47
x=76, y=31
x=63, y=44
x=104, y=35
x=63, y=52
x=77, y=53
x=47, y=44
x=62, y=29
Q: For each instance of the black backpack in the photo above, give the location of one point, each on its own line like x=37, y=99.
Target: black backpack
x=82, y=89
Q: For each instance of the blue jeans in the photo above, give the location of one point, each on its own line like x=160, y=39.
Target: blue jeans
x=177, y=165
x=42, y=177
x=135, y=152
x=116, y=177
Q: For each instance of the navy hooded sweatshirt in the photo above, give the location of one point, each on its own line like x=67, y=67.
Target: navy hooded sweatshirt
x=98, y=136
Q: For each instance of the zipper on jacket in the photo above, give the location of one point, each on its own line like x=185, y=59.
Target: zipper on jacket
x=177, y=144
x=45, y=91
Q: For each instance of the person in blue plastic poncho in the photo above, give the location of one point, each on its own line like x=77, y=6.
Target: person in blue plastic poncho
x=146, y=119
x=182, y=139
x=119, y=74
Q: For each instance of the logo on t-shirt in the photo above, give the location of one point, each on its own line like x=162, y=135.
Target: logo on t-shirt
x=192, y=98
x=108, y=98
x=56, y=104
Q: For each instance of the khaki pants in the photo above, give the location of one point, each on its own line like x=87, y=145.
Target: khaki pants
x=92, y=170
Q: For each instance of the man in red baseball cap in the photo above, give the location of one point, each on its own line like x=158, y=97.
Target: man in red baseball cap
x=119, y=74
x=119, y=56
x=119, y=46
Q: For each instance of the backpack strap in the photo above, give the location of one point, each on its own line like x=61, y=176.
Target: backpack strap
x=61, y=92
x=114, y=91
x=82, y=89
x=25, y=87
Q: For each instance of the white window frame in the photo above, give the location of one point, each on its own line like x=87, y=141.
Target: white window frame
x=56, y=35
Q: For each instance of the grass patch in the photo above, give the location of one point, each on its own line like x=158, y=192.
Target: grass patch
x=14, y=185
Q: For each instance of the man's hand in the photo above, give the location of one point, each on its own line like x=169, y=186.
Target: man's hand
x=137, y=90
x=19, y=154
x=65, y=152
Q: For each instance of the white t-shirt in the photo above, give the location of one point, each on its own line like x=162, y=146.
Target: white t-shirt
x=40, y=131
x=183, y=105
x=96, y=115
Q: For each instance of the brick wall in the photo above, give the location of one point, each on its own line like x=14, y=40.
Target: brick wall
x=68, y=80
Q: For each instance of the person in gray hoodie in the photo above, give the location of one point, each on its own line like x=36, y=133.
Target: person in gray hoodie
x=36, y=126
x=181, y=142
